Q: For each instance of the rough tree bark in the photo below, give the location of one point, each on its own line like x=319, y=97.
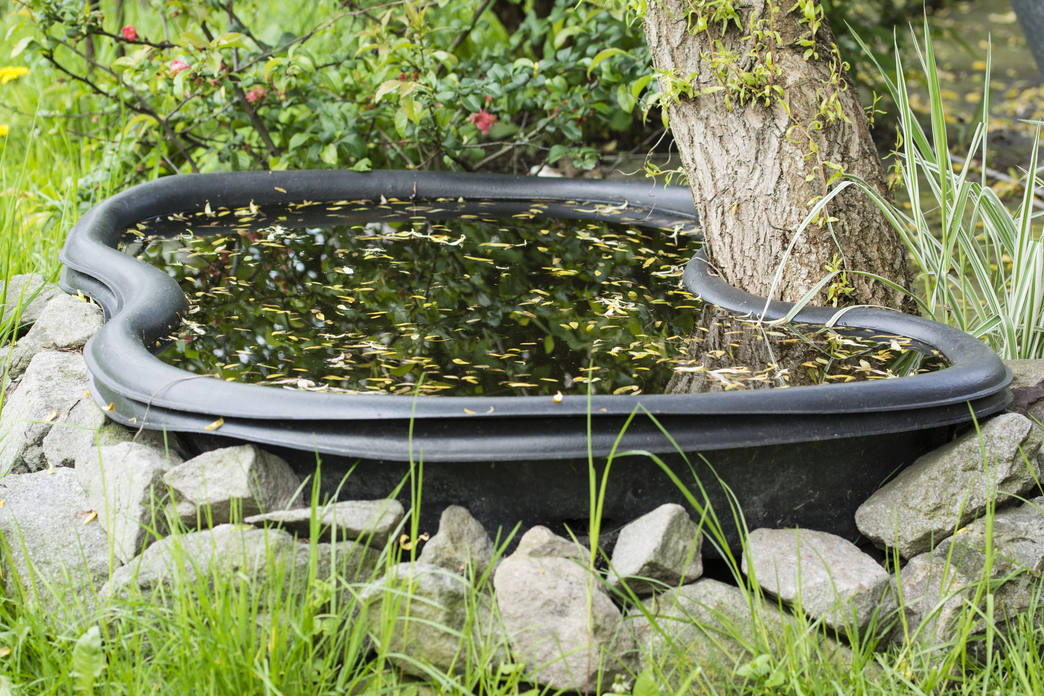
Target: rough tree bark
x=755, y=164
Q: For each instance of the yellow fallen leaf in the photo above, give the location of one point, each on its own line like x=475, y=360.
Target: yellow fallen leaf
x=406, y=544
x=109, y=407
x=2, y=503
x=280, y=190
x=90, y=518
x=469, y=411
x=50, y=416
x=216, y=424
x=5, y=651
x=557, y=398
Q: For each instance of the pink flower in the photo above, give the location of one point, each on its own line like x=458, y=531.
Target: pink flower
x=129, y=32
x=483, y=120
x=256, y=94
x=177, y=66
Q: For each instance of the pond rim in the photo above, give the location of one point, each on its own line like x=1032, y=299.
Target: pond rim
x=143, y=304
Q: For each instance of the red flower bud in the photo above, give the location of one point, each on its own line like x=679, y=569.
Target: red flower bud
x=483, y=121
x=177, y=66
x=256, y=94
x=129, y=33
x=489, y=98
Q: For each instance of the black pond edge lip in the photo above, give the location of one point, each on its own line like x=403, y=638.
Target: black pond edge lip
x=143, y=304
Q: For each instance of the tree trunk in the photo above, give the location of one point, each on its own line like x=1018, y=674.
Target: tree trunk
x=761, y=130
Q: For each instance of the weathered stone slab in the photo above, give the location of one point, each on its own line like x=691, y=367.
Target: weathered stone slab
x=52, y=557
x=461, y=544
x=124, y=485
x=30, y=291
x=952, y=485
x=658, y=550
x=66, y=322
x=938, y=588
x=1026, y=373
x=205, y=489
x=827, y=576
x=369, y=520
x=52, y=385
x=559, y=618
x=422, y=611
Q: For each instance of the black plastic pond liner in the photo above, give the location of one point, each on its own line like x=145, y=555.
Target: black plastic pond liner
x=804, y=456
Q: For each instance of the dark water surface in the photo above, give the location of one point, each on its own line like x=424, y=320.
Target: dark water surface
x=388, y=298
x=440, y=297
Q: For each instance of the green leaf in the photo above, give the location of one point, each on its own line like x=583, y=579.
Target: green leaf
x=624, y=98
x=645, y=685
x=640, y=84
x=230, y=40
x=13, y=29
x=271, y=65
x=88, y=660
x=401, y=121
x=329, y=154
x=363, y=165
x=298, y=139
x=557, y=152
x=387, y=87
x=194, y=40
x=560, y=37
x=21, y=46
x=602, y=55
x=448, y=59
x=410, y=107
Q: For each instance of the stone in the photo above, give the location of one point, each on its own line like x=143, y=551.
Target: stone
x=53, y=384
x=124, y=485
x=828, y=577
x=712, y=626
x=950, y=486
x=427, y=616
x=66, y=322
x=29, y=290
x=657, y=551
x=461, y=544
x=938, y=587
x=205, y=489
x=561, y=624
x=55, y=554
x=370, y=520
x=1026, y=373
x=195, y=559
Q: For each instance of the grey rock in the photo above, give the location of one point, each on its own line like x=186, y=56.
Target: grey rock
x=713, y=626
x=827, y=576
x=369, y=520
x=432, y=616
x=657, y=550
x=461, y=544
x=1027, y=373
x=77, y=431
x=205, y=489
x=51, y=557
x=195, y=559
x=560, y=621
x=52, y=385
x=938, y=588
x=124, y=485
x=66, y=322
x=30, y=291
x=951, y=485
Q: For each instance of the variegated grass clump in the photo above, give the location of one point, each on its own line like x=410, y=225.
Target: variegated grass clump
x=982, y=264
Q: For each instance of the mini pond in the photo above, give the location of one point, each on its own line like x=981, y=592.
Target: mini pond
x=438, y=298
x=379, y=321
